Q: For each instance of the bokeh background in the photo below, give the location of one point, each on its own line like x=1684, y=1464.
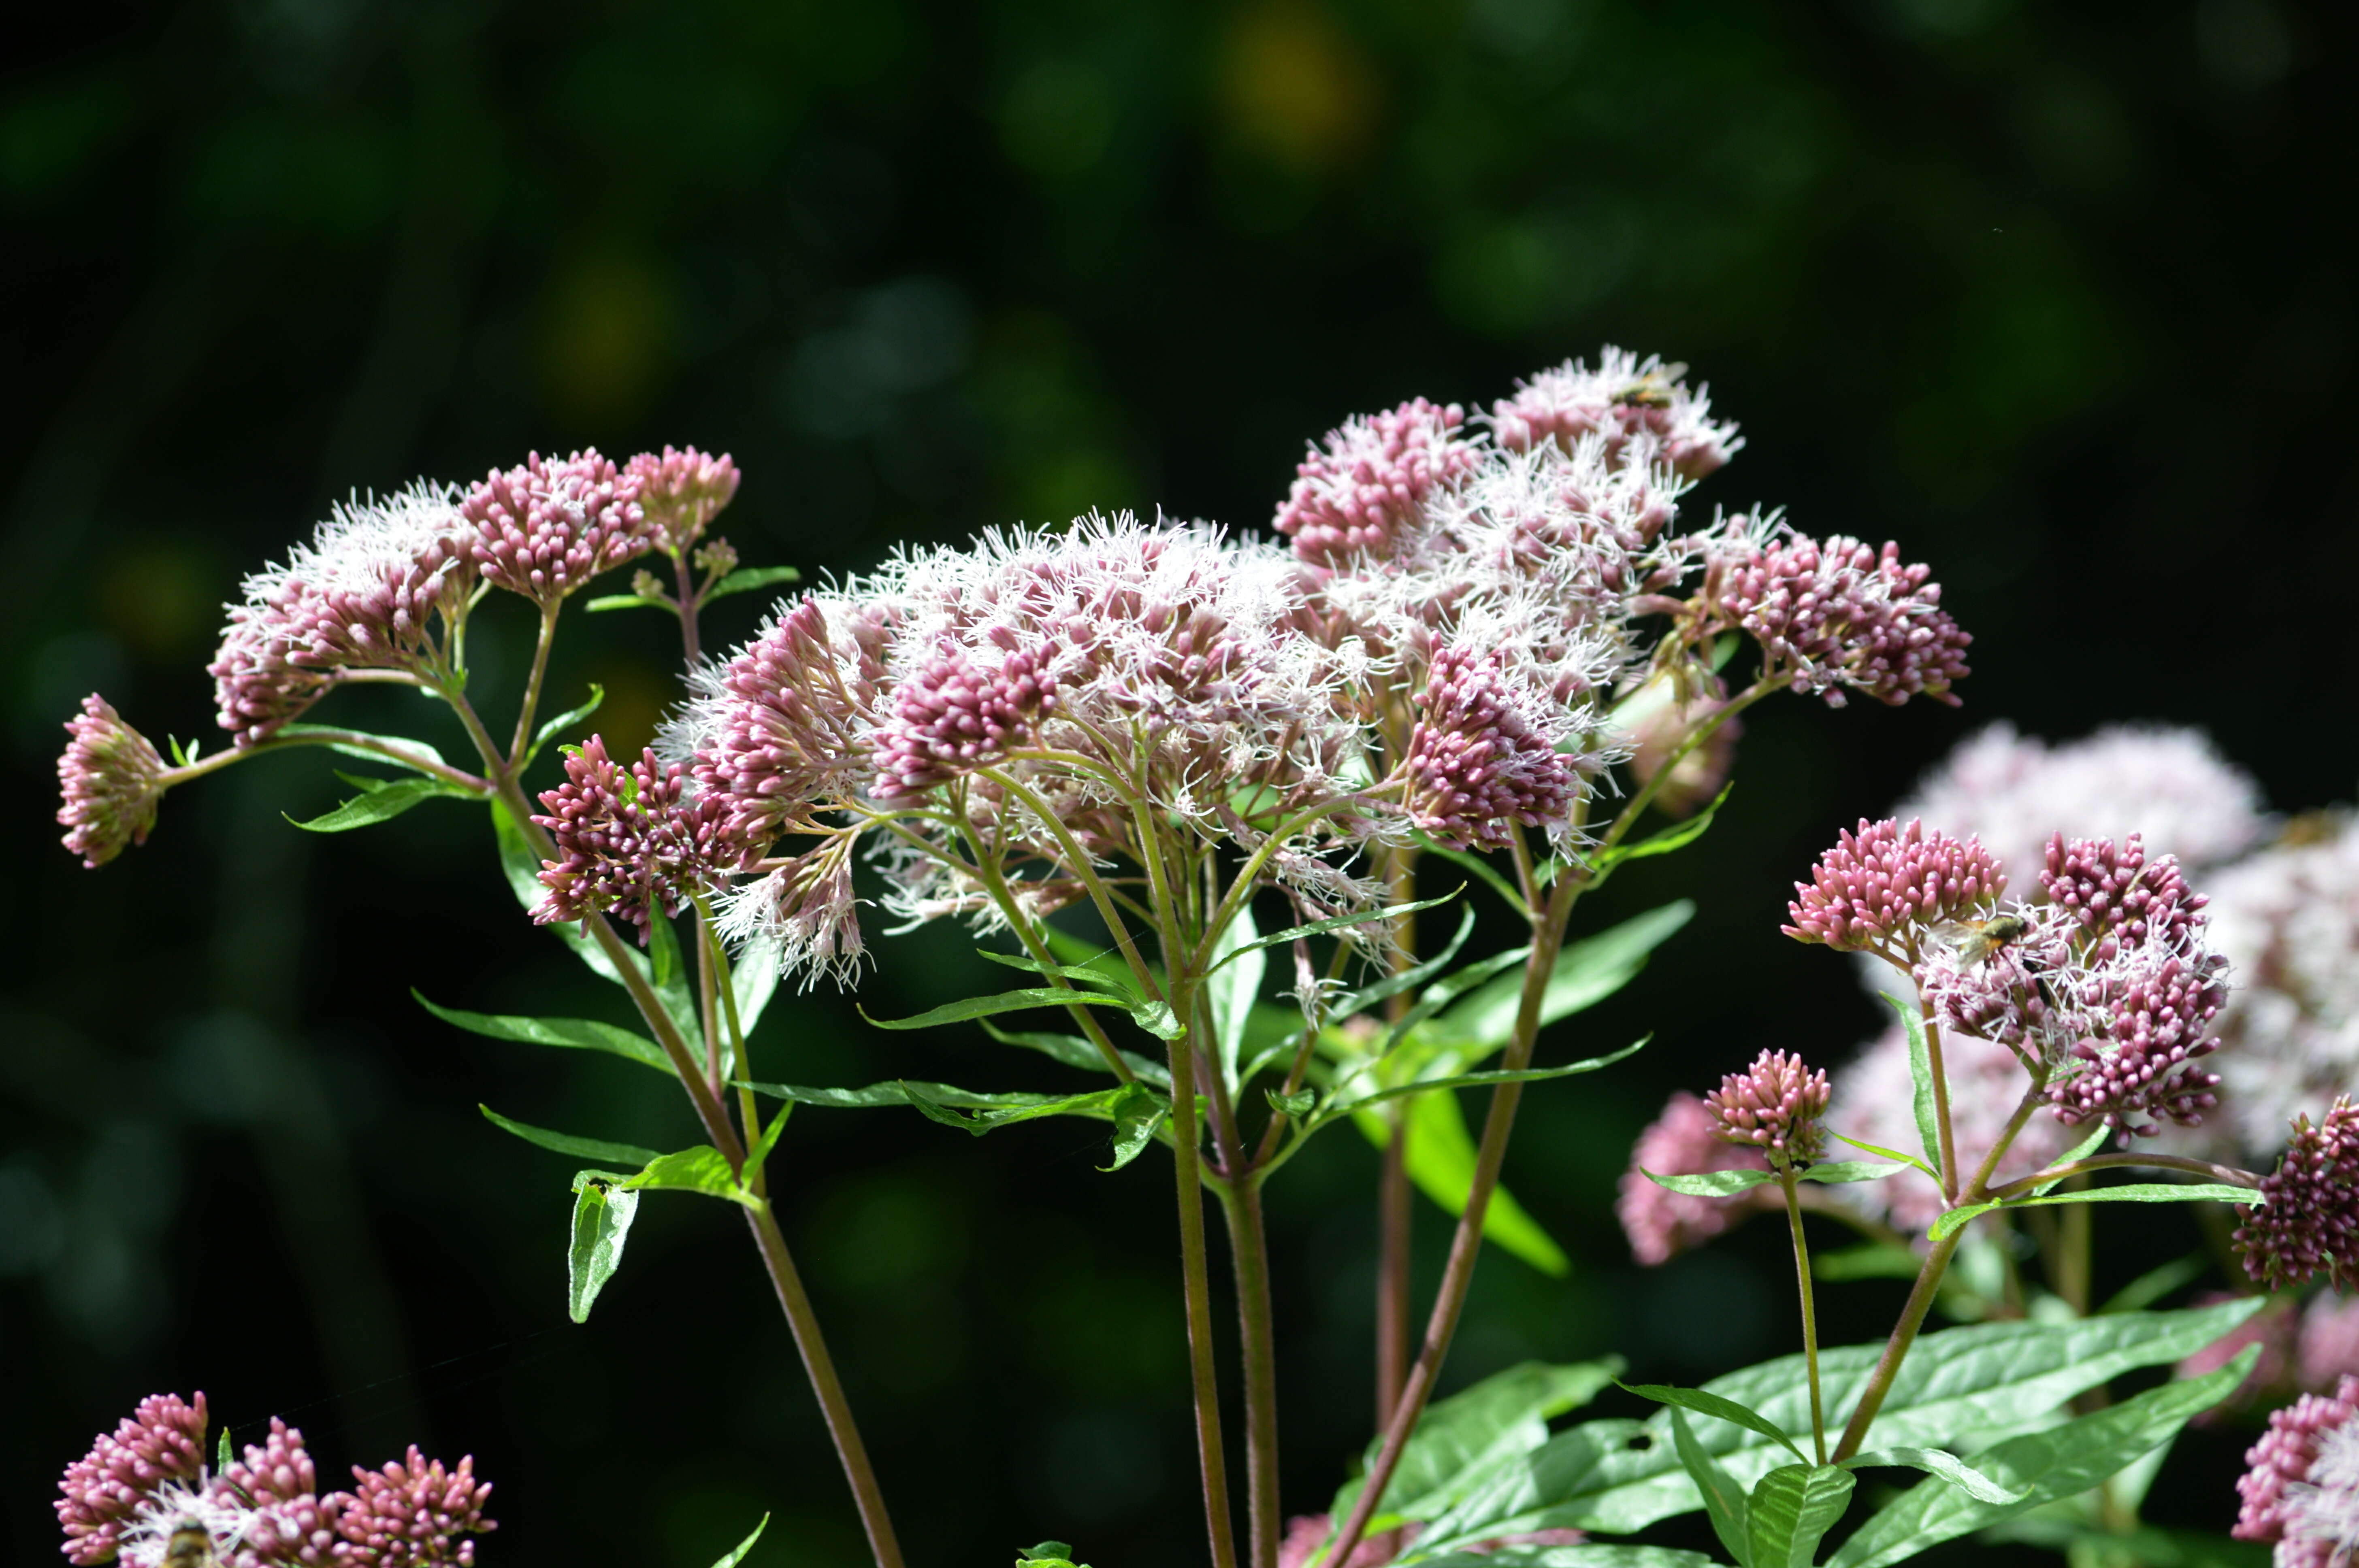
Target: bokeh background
x=2058, y=296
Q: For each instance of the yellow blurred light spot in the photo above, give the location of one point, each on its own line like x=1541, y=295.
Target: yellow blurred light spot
x=606, y=336
x=1296, y=86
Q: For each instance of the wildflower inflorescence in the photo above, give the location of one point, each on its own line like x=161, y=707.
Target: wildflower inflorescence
x=2301, y=1486
x=1360, y=492
x=113, y=780
x=548, y=526
x=1839, y=616
x=627, y=839
x=681, y=492
x=147, y=1483
x=2308, y=1221
x=1775, y=1105
x=1478, y=760
x=1882, y=886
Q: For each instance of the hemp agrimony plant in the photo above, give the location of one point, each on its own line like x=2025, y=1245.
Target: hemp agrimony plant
x=1205, y=794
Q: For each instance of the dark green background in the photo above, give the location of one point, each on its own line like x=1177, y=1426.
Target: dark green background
x=2057, y=296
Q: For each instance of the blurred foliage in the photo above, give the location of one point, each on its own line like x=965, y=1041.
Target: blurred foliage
x=2057, y=296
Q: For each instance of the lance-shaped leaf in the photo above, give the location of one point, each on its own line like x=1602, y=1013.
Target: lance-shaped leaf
x=1909, y=1159
x=2041, y=1467
x=1724, y=1501
x=736, y=1555
x=1478, y=1080
x=1728, y=1184
x=1368, y=996
x=754, y=980
x=1936, y=1462
x=1139, y=1114
x=1117, y=981
x=1440, y=1162
x=1586, y=972
x=398, y=750
x=601, y=1223
x=551, y=728
x=567, y=1143
x=1920, y=1077
x=2079, y=1152
x=1679, y=836
x=1710, y=1404
x=1958, y=1389
x=1481, y=868
x=570, y=1033
x=1442, y=992
x=1252, y=942
x=1076, y=1052
x=1230, y=988
x=1099, y=1102
x=2135, y=1192
x=1790, y=1511
x=1155, y=1017
x=745, y=579
x=381, y=800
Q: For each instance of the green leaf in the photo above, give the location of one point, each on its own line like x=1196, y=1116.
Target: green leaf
x=1458, y=1438
x=769, y=1138
x=744, y=579
x=2156, y=1283
x=2135, y=1192
x=1155, y=1017
x=1722, y=1502
x=1138, y=1112
x=1253, y=942
x=1935, y=1462
x=1835, y=1171
x=2081, y=1151
x=380, y=800
x=419, y=749
x=601, y=1223
x=222, y=1456
x=1440, y=1162
x=1476, y=1080
x=1703, y=1403
x=1586, y=1556
x=1118, y=981
x=1481, y=868
x=754, y=980
x=1376, y=991
x=1442, y=992
x=1099, y=1102
x=1676, y=837
x=555, y=727
x=702, y=1169
x=1231, y=986
x=1076, y=1052
x=1710, y=1183
x=1586, y=972
x=2060, y=1462
x=606, y=601
x=1791, y=1509
x=523, y=870
x=570, y=1033
x=1958, y=1389
x=1868, y=1261
x=567, y=1143
x=736, y=1555
x=1921, y=1074
x=1909, y=1159
x=1298, y=1105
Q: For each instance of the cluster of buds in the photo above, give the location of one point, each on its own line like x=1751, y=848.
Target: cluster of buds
x=1838, y=616
x=1358, y=494
x=2309, y=1221
x=546, y=526
x=142, y=1497
x=1775, y=1105
x=2300, y=1486
x=681, y=492
x=113, y=780
x=954, y=714
x=627, y=839
x=1884, y=886
x=1478, y=760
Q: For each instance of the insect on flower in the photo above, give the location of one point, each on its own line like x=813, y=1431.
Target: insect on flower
x=1978, y=941
x=191, y=1545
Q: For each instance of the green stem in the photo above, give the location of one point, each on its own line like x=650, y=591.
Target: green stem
x=376, y=745
x=1249, y=1246
x=1396, y=1202
x=1809, y=1311
x=531, y=703
x=1947, y=1141
x=1196, y=1282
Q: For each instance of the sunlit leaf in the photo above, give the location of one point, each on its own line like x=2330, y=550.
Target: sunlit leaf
x=1790, y=1511
x=1231, y=986
x=554, y=728
x=2135, y=1192
x=1586, y=972
x=567, y=1143
x=744, y=579
x=381, y=800
x=570, y=1033
x=736, y=1555
x=1440, y=1162
x=601, y=1223
x=1710, y=1184
x=1920, y=1076
x=1706, y=1403
x=1935, y=1462
x=1138, y=1113
x=1676, y=837
x=1723, y=1503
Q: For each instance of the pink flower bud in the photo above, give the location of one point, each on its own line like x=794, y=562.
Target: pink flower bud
x=1881, y=886
x=1775, y=1105
x=2308, y=1220
x=111, y=779
x=546, y=528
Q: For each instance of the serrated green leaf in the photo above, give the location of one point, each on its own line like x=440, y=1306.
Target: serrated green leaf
x=381, y=800
x=1723, y=1502
x=551, y=728
x=1959, y=1388
x=1586, y=972
x=1441, y=1162
x=1790, y=1511
x=744, y=579
x=736, y=1555
x=2043, y=1466
x=1920, y=1076
x=1837, y=1170
x=1676, y=837
x=1076, y=1052
x=567, y=1143
x=1710, y=1184
x=601, y=1223
x=1710, y=1404
x=2135, y=1192
x=570, y=1033
x=1138, y=1113
x=1936, y=1462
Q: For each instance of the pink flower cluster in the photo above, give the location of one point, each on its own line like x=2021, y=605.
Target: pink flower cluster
x=1684, y=1141
x=1623, y=401
x=2108, y=887
x=681, y=492
x=1775, y=1106
x=627, y=839
x=113, y=780
x=546, y=527
x=784, y=721
x=1359, y=492
x=1477, y=760
x=2309, y=1221
x=145, y=1485
x=1880, y=887
x=2300, y=1486
x=1838, y=616
x=954, y=713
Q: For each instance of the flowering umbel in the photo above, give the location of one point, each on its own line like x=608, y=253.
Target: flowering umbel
x=681, y=492
x=548, y=526
x=1358, y=493
x=113, y=780
x=1879, y=888
x=2308, y=1223
x=1775, y=1105
x=2300, y=1486
x=143, y=1491
x=1837, y=615
x=627, y=839
x=1478, y=760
